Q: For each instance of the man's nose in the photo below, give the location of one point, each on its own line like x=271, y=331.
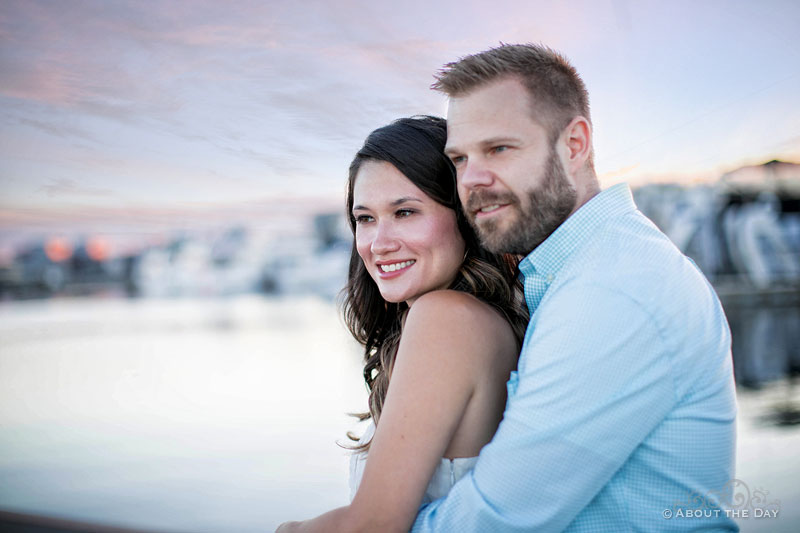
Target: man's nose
x=474, y=174
x=385, y=240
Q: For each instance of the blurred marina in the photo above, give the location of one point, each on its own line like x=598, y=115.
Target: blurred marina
x=742, y=231
x=200, y=381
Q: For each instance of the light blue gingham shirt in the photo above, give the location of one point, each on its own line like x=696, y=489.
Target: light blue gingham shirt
x=623, y=406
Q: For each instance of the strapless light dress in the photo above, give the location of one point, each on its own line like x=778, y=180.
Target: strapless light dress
x=447, y=473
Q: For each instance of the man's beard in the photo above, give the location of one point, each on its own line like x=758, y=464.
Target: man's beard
x=548, y=206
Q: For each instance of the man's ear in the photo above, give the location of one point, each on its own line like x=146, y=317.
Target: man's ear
x=577, y=141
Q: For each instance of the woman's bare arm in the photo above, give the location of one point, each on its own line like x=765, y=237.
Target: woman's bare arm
x=445, y=348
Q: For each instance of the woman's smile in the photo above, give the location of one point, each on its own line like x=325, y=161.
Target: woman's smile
x=390, y=269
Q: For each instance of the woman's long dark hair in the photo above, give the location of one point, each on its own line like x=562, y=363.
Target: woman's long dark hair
x=415, y=146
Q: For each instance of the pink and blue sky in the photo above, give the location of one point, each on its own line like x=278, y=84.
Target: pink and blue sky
x=167, y=104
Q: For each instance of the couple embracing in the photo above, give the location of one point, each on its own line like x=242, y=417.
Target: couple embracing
x=540, y=357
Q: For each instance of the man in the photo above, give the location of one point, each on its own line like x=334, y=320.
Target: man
x=622, y=413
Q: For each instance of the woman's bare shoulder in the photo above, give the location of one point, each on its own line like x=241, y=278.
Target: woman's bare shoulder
x=465, y=319
x=456, y=302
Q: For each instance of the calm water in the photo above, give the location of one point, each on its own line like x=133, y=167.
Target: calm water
x=223, y=415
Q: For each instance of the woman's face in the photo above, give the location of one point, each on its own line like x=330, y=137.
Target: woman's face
x=410, y=244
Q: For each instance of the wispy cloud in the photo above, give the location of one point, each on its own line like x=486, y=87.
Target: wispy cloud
x=71, y=188
x=52, y=127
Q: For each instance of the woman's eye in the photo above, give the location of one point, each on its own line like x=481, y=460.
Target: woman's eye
x=404, y=212
x=361, y=219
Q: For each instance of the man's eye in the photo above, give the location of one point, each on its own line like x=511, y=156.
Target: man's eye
x=361, y=219
x=500, y=148
x=458, y=159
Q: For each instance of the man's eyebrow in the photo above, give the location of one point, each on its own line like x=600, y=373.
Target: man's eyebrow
x=499, y=140
x=491, y=141
x=397, y=202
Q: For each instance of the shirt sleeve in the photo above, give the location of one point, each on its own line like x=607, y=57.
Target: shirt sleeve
x=594, y=380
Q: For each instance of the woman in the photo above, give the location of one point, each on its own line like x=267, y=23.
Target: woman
x=439, y=317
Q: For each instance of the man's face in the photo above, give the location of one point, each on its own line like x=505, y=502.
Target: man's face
x=511, y=179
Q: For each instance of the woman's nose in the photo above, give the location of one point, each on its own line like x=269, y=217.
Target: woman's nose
x=385, y=240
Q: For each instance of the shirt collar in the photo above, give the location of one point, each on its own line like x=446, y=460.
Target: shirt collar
x=550, y=256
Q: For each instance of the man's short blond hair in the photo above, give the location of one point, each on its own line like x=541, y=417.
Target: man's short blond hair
x=555, y=87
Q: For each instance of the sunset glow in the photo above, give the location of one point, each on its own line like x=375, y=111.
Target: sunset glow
x=177, y=104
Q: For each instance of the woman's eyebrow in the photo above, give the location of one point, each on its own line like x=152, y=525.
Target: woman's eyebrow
x=405, y=199
x=397, y=202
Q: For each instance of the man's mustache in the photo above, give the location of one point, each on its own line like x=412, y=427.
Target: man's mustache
x=478, y=199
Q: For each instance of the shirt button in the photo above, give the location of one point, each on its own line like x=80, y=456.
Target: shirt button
x=549, y=279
